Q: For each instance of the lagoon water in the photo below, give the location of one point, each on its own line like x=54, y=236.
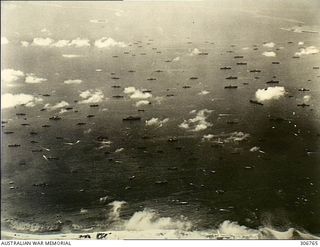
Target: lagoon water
x=215, y=159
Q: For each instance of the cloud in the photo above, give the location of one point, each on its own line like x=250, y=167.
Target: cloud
x=9, y=100
x=270, y=93
x=59, y=105
x=45, y=31
x=25, y=43
x=233, y=137
x=142, y=102
x=307, y=51
x=42, y=41
x=194, y=52
x=98, y=21
x=203, y=92
x=176, y=59
x=78, y=42
x=136, y=93
x=156, y=122
x=91, y=96
x=75, y=81
x=105, y=42
x=269, y=45
x=301, y=43
x=11, y=75
x=61, y=43
x=71, y=55
x=269, y=54
x=4, y=41
x=32, y=79
x=198, y=123
x=306, y=98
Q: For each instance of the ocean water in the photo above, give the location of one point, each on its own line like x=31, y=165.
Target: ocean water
x=216, y=164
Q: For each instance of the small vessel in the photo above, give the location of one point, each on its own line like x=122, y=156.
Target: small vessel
x=147, y=91
x=238, y=57
x=161, y=182
x=46, y=95
x=21, y=114
x=132, y=118
x=55, y=118
x=90, y=116
x=159, y=71
x=203, y=53
x=131, y=71
x=46, y=126
x=14, y=145
x=68, y=108
x=255, y=71
x=193, y=78
x=303, y=105
x=275, y=62
x=231, y=87
x=33, y=133
x=232, y=78
x=272, y=82
x=241, y=63
x=151, y=79
x=303, y=89
x=81, y=123
x=94, y=105
x=117, y=96
x=115, y=78
x=116, y=86
x=225, y=68
x=255, y=102
x=170, y=95
x=186, y=87
x=8, y=132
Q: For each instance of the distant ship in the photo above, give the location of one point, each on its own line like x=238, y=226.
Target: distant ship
x=186, y=87
x=116, y=86
x=203, y=53
x=117, y=96
x=132, y=118
x=14, y=145
x=255, y=102
x=303, y=89
x=115, y=78
x=241, y=63
x=303, y=105
x=55, y=118
x=152, y=79
x=255, y=71
x=232, y=78
x=193, y=78
x=272, y=82
x=225, y=68
x=94, y=105
x=231, y=87
x=238, y=56
x=275, y=62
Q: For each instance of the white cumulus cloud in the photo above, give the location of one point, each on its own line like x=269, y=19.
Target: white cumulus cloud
x=307, y=51
x=269, y=54
x=194, y=52
x=74, y=81
x=105, y=42
x=9, y=100
x=269, y=45
x=136, y=93
x=24, y=43
x=142, y=102
x=42, y=41
x=156, y=122
x=199, y=122
x=4, y=41
x=78, y=42
x=270, y=93
x=71, y=55
x=33, y=79
x=59, y=105
x=90, y=96
x=61, y=43
x=11, y=75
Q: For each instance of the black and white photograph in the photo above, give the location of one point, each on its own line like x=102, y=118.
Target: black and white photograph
x=160, y=120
